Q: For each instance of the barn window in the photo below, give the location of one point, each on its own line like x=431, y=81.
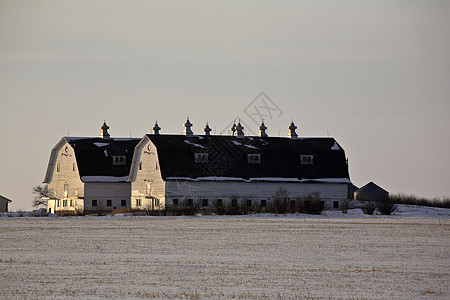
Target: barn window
x=263, y=203
x=71, y=203
x=175, y=202
x=123, y=202
x=335, y=204
x=253, y=158
x=234, y=203
x=205, y=202
x=140, y=165
x=190, y=202
x=119, y=160
x=306, y=159
x=109, y=202
x=64, y=202
x=249, y=202
x=138, y=202
x=201, y=157
x=94, y=203
x=219, y=203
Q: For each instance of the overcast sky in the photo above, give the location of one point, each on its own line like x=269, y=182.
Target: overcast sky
x=373, y=74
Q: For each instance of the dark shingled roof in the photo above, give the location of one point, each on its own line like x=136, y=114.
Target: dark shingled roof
x=94, y=155
x=227, y=157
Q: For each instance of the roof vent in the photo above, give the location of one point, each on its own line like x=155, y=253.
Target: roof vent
x=188, y=131
x=104, y=134
x=262, y=130
x=233, y=129
x=292, y=134
x=156, y=128
x=240, y=130
x=207, y=130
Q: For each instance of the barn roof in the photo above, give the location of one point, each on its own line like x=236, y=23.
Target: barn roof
x=228, y=158
x=94, y=158
x=372, y=188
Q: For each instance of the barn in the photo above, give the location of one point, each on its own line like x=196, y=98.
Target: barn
x=158, y=171
x=215, y=170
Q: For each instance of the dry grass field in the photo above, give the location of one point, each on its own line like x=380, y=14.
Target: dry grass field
x=228, y=258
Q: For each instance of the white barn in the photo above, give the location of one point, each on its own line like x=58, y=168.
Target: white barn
x=171, y=170
x=165, y=171
x=90, y=174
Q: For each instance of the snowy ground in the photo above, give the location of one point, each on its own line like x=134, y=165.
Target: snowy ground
x=336, y=256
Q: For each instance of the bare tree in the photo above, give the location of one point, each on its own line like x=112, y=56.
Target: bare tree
x=41, y=193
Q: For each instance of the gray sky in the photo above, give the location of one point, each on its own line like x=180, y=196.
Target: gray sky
x=373, y=74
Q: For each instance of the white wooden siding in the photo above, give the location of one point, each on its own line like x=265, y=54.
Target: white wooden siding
x=147, y=183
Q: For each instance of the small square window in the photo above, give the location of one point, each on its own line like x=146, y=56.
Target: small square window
x=219, y=203
x=94, y=203
x=205, y=202
x=249, y=202
x=175, y=202
x=335, y=204
x=190, y=202
x=123, y=202
x=119, y=160
x=108, y=202
x=253, y=158
x=201, y=157
x=306, y=159
x=234, y=203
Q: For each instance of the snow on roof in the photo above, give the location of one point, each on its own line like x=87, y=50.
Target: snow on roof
x=335, y=146
x=265, y=179
x=101, y=144
x=103, y=179
x=193, y=144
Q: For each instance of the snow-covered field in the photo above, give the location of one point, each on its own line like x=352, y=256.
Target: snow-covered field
x=336, y=256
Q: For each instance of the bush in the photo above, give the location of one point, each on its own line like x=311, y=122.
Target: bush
x=344, y=206
x=369, y=207
x=281, y=199
x=312, y=204
x=443, y=202
x=386, y=206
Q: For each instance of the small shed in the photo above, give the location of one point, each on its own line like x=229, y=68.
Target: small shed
x=4, y=203
x=371, y=192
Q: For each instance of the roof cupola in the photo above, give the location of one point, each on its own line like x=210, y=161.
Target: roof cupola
x=262, y=130
x=104, y=134
x=239, y=130
x=207, y=130
x=188, y=131
x=156, y=128
x=233, y=129
x=292, y=134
